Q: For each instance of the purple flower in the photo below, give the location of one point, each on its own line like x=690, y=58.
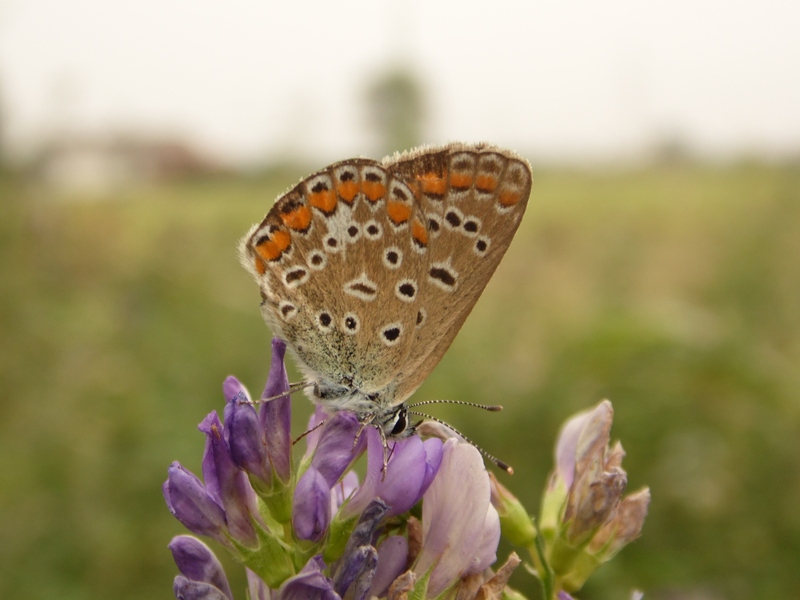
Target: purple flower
x=250, y=481
x=311, y=506
x=228, y=485
x=360, y=559
x=276, y=415
x=412, y=466
x=245, y=435
x=202, y=575
x=590, y=471
x=460, y=527
x=186, y=589
x=261, y=444
x=333, y=448
x=585, y=519
x=309, y=584
x=392, y=558
x=190, y=502
x=332, y=452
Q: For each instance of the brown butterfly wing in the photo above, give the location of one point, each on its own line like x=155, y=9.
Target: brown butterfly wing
x=341, y=271
x=473, y=198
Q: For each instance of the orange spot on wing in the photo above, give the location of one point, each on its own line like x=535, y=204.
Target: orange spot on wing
x=398, y=211
x=433, y=184
x=374, y=190
x=486, y=183
x=325, y=201
x=299, y=219
x=261, y=266
x=461, y=180
x=272, y=248
x=510, y=197
x=419, y=232
x=347, y=190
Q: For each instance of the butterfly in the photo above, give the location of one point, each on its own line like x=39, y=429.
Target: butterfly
x=368, y=269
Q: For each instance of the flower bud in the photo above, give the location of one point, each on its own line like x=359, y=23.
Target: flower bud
x=585, y=520
x=190, y=503
x=198, y=565
x=515, y=522
x=311, y=506
x=309, y=584
x=625, y=527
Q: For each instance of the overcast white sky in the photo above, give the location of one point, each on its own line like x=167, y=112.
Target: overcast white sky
x=250, y=79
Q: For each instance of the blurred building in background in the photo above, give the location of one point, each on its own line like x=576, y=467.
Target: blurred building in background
x=100, y=164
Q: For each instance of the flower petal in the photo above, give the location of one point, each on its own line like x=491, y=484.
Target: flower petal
x=392, y=557
x=190, y=503
x=247, y=441
x=458, y=532
x=276, y=415
x=410, y=470
x=311, y=506
x=356, y=572
x=186, y=589
x=197, y=562
x=227, y=484
x=233, y=388
x=334, y=450
x=309, y=584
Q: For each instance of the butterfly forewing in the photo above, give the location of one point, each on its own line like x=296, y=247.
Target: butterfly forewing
x=341, y=260
x=473, y=198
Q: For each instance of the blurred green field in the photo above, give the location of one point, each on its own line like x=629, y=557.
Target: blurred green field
x=674, y=291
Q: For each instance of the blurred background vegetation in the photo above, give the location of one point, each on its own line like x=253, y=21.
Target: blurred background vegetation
x=672, y=290
x=669, y=284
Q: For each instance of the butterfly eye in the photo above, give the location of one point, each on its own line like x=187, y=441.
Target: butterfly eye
x=401, y=424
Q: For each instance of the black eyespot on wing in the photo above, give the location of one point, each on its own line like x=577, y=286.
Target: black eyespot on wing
x=295, y=275
x=391, y=334
x=407, y=289
x=443, y=275
x=453, y=219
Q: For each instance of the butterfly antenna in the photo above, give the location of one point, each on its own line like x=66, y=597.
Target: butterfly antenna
x=489, y=407
x=500, y=464
x=293, y=387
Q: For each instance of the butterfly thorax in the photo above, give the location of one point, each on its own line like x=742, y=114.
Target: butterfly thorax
x=375, y=408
